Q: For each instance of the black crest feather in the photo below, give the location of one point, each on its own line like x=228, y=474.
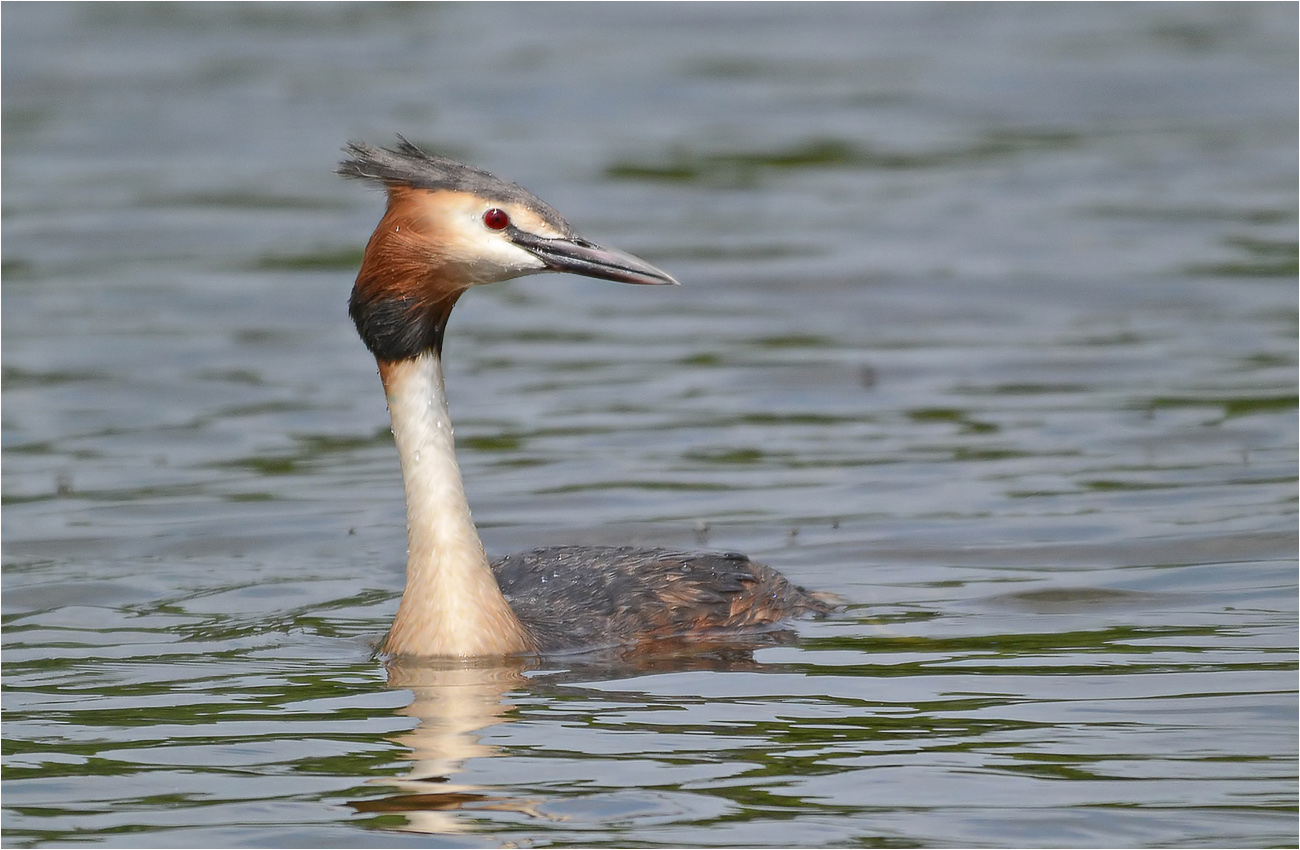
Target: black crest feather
x=408, y=165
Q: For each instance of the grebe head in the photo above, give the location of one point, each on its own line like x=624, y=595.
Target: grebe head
x=450, y=226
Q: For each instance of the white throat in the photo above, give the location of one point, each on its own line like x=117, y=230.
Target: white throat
x=452, y=605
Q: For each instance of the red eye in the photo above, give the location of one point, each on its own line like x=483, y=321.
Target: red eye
x=496, y=219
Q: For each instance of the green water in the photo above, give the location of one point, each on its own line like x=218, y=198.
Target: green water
x=988, y=326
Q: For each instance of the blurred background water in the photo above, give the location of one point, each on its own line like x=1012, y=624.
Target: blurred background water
x=988, y=325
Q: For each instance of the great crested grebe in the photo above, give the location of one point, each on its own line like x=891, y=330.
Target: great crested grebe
x=450, y=226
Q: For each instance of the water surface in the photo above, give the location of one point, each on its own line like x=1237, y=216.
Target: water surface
x=988, y=326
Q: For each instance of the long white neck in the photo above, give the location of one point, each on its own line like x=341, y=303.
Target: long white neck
x=452, y=605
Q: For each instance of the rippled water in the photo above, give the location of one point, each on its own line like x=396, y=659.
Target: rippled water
x=988, y=326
